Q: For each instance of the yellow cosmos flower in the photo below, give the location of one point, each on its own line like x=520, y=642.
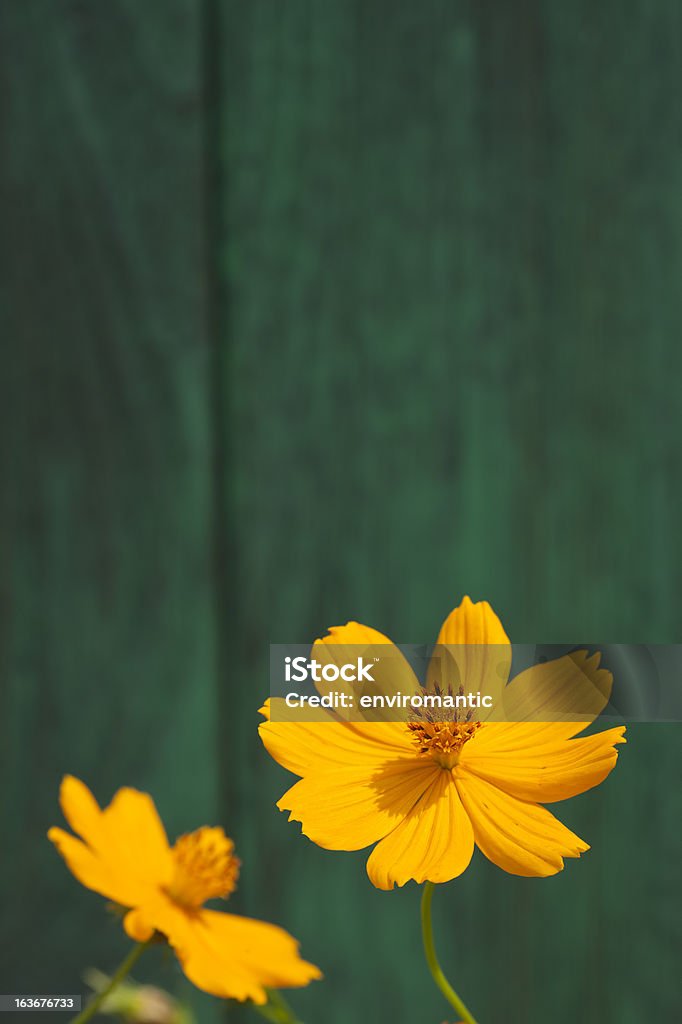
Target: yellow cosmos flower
x=123, y=854
x=427, y=791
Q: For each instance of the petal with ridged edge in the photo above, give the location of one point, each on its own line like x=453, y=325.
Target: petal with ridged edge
x=93, y=872
x=472, y=652
x=230, y=957
x=537, y=768
x=510, y=738
x=473, y=623
x=82, y=812
x=120, y=841
x=348, y=808
x=302, y=747
x=521, y=838
x=568, y=689
x=132, y=819
x=433, y=843
x=238, y=958
x=389, y=669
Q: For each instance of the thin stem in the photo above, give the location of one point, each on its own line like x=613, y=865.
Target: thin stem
x=267, y=1011
x=432, y=960
x=122, y=972
x=276, y=1009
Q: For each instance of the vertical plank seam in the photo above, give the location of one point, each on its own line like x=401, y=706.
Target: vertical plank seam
x=221, y=547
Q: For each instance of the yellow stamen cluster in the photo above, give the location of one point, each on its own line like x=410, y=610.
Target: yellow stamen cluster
x=205, y=867
x=442, y=741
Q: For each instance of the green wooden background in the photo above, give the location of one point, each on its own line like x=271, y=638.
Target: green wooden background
x=326, y=310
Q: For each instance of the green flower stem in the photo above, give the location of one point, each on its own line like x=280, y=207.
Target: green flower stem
x=126, y=967
x=432, y=960
x=276, y=1009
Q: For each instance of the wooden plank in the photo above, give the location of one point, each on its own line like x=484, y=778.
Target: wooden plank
x=106, y=581
x=440, y=303
x=451, y=241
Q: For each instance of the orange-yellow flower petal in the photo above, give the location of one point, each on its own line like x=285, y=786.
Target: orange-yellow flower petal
x=90, y=870
x=531, y=766
x=521, y=838
x=126, y=858
x=472, y=623
x=353, y=634
x=302, y=747
x=138, y=926
x=472, y=651
x=350, y=807
x=100, y=862
x=508, y=737
x=82, y=811
x=261, y=956
x=132, y=819
x=391, y=672
x=229, y=956
x=571, y=689
x=434, y=842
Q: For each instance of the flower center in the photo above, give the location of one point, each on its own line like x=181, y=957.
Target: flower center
x=204, y=867
x=442, y=741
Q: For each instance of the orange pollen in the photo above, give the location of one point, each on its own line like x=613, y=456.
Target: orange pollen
x=443, y=741
x=204, y=867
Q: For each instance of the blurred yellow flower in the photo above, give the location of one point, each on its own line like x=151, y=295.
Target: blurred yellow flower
x=426, y=791
x=124, y=855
